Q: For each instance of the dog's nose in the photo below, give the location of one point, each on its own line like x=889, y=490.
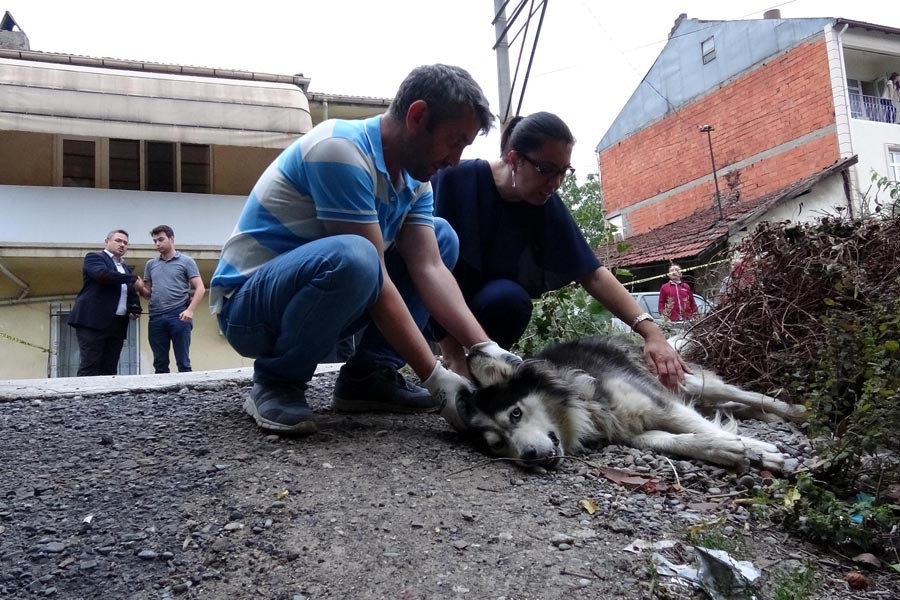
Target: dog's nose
x=530, y=453
x=553, y=438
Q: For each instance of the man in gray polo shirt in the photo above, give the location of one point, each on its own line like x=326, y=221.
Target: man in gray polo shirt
x=167, y=283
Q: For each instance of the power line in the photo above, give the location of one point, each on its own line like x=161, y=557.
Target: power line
x=523, y=32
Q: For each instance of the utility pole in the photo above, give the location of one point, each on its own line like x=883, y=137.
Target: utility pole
x=708, y=129
x=502, y=48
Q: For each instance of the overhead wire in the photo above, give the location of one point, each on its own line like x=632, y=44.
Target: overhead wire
x=522, y=32
x=715, y=24
x=537, y=36
x=515, y=78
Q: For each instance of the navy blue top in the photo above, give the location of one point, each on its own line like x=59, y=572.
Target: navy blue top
x=540, y=247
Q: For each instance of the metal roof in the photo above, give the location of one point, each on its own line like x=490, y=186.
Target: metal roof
x=80, y=96
x=869, y=26
x=151, y=67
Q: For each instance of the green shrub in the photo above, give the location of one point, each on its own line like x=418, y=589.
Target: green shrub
x=857, y=525
x=565, y=314
x=854, y=395
x=815, y=317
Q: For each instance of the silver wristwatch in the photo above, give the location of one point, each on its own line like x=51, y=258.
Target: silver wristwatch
x=640, y=319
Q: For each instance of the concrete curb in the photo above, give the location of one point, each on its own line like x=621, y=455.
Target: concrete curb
x=66, y=387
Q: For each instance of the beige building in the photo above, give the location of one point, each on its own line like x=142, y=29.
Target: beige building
x=88, y=145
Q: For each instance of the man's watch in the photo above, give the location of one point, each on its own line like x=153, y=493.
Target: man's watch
x=640, y=319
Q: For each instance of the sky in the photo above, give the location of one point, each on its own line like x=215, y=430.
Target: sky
x=590, y=57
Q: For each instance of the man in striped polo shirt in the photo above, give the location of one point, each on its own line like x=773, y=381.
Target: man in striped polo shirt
x=338, y=236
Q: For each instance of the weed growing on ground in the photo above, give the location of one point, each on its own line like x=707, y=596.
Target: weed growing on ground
x=797, y=584
x=858, y=525
x=714, y=537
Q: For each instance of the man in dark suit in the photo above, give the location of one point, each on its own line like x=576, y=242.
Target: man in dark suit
x=107, y=300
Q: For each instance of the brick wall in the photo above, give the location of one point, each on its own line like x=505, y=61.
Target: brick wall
x=776, y=103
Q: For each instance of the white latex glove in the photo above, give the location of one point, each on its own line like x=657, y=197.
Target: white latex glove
x=447, y=388
x=493, y=351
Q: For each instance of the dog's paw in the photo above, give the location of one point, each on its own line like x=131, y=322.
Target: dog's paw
x=796, y=413
x=488, y=370
x=764, y=455
x=722, y=450
x=759, y=446
x=773, y=461
x=733, y=453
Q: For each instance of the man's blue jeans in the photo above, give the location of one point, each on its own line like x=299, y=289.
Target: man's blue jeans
x=164, y=329
x=502, y=307
x=292, y=311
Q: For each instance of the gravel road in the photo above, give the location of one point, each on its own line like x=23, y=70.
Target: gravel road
x=177, y=494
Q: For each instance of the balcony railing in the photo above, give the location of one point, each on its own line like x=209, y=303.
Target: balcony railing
x=871, y=108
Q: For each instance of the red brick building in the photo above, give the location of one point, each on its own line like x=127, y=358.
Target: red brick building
x=786, y=99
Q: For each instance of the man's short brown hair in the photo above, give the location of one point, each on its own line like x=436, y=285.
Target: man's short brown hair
x=162, y=229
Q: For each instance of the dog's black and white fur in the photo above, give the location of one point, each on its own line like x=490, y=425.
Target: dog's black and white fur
x=577, y=394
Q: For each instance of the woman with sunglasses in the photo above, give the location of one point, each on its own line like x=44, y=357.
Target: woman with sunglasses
x=517, y=240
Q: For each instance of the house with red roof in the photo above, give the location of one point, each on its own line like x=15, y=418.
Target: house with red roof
x=742, y=121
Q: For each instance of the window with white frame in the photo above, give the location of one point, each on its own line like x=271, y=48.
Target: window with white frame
x=894, y=163
x=134, y=165
x=618, y=223
x=854, y=89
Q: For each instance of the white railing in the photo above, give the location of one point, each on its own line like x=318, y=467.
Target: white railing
x=871, y=108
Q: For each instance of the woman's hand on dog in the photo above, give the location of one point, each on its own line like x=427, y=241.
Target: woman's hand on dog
x=664, y=362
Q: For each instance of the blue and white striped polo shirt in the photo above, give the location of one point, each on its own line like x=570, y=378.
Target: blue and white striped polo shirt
x=336, y=172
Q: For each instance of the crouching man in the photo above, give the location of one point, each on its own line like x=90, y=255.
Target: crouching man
x=338, y=236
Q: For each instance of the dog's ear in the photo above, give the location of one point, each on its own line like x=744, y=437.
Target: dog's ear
x=487, y=370
x=560, y=382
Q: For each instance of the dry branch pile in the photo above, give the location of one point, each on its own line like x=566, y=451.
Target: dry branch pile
x=770, y=323
x=814, y=310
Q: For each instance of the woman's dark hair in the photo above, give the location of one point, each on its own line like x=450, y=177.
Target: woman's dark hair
x=895, y=77
x=524, y=134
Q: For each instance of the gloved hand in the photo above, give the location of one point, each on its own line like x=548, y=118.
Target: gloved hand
x=449, y=389
x=494, y=352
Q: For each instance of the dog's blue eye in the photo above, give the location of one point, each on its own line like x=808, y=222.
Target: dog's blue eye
x=515, y=414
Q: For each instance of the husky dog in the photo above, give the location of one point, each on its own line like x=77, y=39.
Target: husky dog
x=580, y=393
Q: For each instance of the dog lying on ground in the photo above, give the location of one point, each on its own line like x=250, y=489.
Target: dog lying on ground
x=577, y=394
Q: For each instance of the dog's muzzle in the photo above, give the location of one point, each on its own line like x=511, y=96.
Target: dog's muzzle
x=531, y=456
